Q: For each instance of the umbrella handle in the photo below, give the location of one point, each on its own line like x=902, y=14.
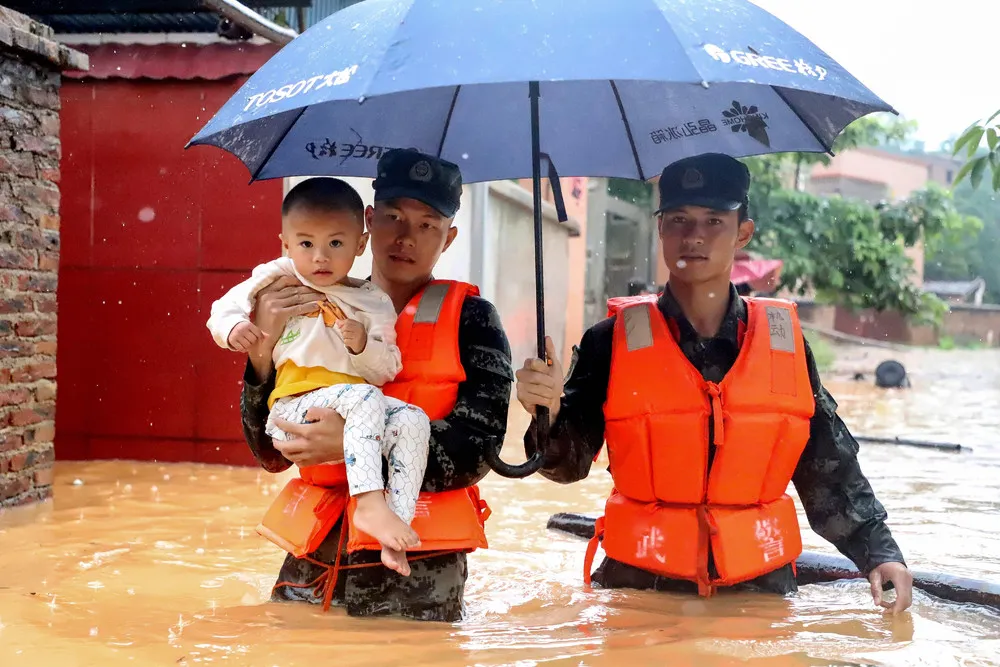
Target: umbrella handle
x=534, y=462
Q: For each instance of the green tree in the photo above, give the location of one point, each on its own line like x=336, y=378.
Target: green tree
x=979, y=161
x=852, y=253
x=973, y=255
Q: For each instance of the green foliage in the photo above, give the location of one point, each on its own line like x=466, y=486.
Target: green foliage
x=975, y=255
x=978, y=161
x=849, y=252
x=822, y=351
x=639, y=193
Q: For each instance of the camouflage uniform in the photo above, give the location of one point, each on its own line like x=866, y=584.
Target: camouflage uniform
x=837, y=498
x=435, y=587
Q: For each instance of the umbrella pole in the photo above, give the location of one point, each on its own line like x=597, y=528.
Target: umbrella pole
x=534, y=463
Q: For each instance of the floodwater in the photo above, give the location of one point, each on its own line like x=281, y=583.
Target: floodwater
x=149, y=564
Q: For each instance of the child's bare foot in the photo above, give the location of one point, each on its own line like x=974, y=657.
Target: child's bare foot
x=374, y=517
x=396, y=560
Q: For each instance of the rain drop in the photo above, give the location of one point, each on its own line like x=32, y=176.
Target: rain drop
x=147, y=214
x=681, y=264
x=711, y=295
x=77, y=482
x=465, y=156
x=93, y=632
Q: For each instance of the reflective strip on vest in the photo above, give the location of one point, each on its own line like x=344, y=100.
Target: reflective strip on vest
x=638, y=329
x=430, y=304
x=782, y=333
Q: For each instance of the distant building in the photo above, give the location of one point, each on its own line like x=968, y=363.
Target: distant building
x=875, y=175
x=958, y=291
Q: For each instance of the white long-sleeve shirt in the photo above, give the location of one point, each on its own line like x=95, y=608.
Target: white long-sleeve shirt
x=306, y=340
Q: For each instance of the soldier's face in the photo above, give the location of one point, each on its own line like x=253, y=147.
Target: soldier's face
x=699, y=243
x=407, y=239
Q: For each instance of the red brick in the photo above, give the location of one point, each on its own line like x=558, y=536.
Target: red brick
x=10, y=441
x=6, y=329
x=49, y=124
x=40, y=195
x=13, y=462
x=29, y=328
x=50, y=175
x=50, y=222
x=22, y=164
x=24, y=417
x=38, y=282
x=45, y=371
x=15, y=348
x=16, y=259
x=48, y=261
x=4, y=376
x=46, y=303
x=14, y=487
x=45, y=391
x=46, y=347
x=42, y=97
x=9, y=213
x=41, y=457
x=28, y=239
x=16, y=304
x=14, y=396
x=43, y=433
x=43, y=476
x=18, y=118
x=48, y=146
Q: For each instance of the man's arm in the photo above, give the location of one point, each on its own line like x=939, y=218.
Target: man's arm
x=836, y=495
x=578, y=432
x=253, y=411
x=478, y=421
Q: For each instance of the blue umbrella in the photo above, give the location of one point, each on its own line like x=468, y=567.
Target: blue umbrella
x=599, y=87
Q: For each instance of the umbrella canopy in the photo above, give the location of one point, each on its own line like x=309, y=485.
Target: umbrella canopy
x=759, y=273
x=625, y=88
x=597, y=88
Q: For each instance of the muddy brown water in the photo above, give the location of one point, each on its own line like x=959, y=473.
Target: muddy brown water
x=152, y=564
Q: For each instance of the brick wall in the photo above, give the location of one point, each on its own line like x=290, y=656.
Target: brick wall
x=30, y=62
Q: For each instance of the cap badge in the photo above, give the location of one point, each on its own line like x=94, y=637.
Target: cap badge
x=421, y=171
x=692, y=179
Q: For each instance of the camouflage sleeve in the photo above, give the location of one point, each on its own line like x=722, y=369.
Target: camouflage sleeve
x=478, y=421
x=836, y=495
x=253, y=411
x=578, y=432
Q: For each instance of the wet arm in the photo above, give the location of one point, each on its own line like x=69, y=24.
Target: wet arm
x=836, y=495
x=253, y=411
x=578, y=432
x=478, y=421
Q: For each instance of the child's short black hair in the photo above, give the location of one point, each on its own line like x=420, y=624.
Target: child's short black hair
x=324, y=194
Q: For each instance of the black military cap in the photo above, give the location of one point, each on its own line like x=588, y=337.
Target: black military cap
x=408, y=173
x=712, y=180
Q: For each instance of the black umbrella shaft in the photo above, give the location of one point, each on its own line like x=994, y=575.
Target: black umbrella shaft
x=541, y=414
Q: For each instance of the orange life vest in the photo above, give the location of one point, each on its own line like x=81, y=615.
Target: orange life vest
x=669, y=507
x=308, y=508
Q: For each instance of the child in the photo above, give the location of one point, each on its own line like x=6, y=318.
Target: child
x=337, y=357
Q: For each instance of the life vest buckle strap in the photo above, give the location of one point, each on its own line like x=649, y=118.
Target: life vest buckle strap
x=715, y=395
x=588, y=559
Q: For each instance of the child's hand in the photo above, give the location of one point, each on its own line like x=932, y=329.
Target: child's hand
x=244, y=336
x=355, y=336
